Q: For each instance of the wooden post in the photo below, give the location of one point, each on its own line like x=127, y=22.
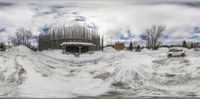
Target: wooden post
x=63, y=49
x=102, y=42
x=79, y=50
x=92, y=49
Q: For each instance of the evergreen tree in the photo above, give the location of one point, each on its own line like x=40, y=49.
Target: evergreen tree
x=2, y=47
x=138, y=48
x=131, y=46
x=192, y=45
x=184, y=44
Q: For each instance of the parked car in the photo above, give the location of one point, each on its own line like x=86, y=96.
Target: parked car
x=176, y=52
x=197, y=49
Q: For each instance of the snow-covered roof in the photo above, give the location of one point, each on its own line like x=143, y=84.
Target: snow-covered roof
x=77, y=43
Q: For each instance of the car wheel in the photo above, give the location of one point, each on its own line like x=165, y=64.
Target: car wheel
x=182, y=54
x=169, y=55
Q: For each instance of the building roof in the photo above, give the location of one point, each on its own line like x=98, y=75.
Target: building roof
x=77, y=43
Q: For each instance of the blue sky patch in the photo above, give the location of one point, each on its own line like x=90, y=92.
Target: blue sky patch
x=2, y=30
x=143, y=37
x=126, y=36
x=45, y=29
x=196, y=30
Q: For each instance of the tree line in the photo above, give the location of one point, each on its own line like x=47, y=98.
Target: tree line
x=72, y=33
x=79, y=33
x=153, y=36
x=23, y=37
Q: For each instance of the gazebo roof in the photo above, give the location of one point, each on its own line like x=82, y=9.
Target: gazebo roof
x=77, y=43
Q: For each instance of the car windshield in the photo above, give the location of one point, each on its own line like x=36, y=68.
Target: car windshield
x=172, y=50
x=175, y=50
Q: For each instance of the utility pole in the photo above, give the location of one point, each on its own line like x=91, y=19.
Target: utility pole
x=102, y=42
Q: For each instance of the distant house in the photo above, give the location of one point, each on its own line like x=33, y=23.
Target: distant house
x=71, y=39
x=119, y=46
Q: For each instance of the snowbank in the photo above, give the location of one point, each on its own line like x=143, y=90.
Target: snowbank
x=20, y=50
x=57, y=54
x=24, y=73
x=109, y=49
x=165, y=49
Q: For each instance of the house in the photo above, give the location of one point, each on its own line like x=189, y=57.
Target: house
x=119, y=46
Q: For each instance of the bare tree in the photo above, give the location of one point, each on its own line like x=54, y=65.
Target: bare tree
x=22, y=37
x=153, y=35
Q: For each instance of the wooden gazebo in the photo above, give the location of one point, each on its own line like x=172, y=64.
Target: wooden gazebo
x=77, y=47
x=72, y=39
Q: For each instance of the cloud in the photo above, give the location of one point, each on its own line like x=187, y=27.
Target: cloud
x=111, y=17
x=4, y=4
x=179, y=19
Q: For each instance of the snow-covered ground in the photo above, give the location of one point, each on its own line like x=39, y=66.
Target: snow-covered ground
x=24, y=73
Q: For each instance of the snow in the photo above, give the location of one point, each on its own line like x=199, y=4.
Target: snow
x=77, y=43
x=109, y=49
x=57, y=54
x=24, y=73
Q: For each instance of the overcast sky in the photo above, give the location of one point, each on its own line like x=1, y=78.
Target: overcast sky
x=111, y=17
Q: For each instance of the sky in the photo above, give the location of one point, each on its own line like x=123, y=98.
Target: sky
x=115, y=19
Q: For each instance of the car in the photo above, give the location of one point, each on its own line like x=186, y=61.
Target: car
x=176, y=52
x=197, y=49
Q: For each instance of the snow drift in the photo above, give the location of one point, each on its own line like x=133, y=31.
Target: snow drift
x=109, y=49
x=24, y=73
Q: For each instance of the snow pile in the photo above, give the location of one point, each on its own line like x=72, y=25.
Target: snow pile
x=20, y=50
x=109, y=49
x=165, y=49
x=83, y=58
x=53, y=74
x=129, y=74
x=44, y=76
x=12, y=74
